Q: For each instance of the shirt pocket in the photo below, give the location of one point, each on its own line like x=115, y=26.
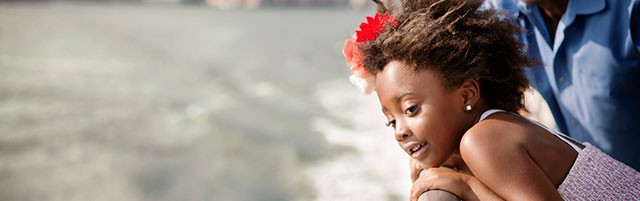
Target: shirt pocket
x=608, y=86
x=601, y=73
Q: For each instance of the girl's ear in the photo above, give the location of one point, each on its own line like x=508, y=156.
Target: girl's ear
x=470, y=93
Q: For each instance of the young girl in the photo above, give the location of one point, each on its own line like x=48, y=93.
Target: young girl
x=449, y=77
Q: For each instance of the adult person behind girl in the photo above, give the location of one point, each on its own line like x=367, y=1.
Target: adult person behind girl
x=591, y=74
x=449, y=77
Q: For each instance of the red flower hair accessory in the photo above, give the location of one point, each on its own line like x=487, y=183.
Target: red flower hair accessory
x=369, y=31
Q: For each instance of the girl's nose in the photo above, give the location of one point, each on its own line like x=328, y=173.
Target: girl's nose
x=402, y=133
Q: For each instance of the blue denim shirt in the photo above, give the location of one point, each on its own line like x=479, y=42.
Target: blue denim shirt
x=591, y=72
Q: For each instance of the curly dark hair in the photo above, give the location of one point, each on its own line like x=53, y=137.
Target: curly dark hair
x=458, y=41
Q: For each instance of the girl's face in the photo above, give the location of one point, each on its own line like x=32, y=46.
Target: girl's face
x=428, y=120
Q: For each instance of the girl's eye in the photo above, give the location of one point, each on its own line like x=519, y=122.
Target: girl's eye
x=411, y=110
x=391, y=123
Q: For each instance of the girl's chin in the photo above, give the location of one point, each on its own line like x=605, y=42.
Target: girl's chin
x=431, y=162
x=452, y=162
x=428, y=163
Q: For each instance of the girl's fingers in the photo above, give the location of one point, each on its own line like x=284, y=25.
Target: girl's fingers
x=420, y=186
x=436, y=178
x=415, y=169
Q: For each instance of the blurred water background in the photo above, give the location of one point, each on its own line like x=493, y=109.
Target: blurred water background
x=166, y=101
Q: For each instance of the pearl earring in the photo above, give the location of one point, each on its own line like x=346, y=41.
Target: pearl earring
x=467, y=108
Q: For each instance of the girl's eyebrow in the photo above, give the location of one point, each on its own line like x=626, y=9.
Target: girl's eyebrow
x=399, y=97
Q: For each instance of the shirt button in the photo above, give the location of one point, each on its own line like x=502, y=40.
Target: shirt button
x=561, y=79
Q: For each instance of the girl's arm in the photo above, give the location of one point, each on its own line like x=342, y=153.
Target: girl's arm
x=498, y=159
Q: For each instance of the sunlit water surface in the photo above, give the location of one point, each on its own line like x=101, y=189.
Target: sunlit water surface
x=166, y=102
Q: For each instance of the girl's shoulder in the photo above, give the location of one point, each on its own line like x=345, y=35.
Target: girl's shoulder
x=508, y=138
x=501, y=128
x=506, y=132
x=496, y=150
x=511, y=129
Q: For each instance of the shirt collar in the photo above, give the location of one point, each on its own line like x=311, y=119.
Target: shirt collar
x=579, y=7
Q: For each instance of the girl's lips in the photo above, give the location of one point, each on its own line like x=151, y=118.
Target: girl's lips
x=415, y=148
x=420, y=151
